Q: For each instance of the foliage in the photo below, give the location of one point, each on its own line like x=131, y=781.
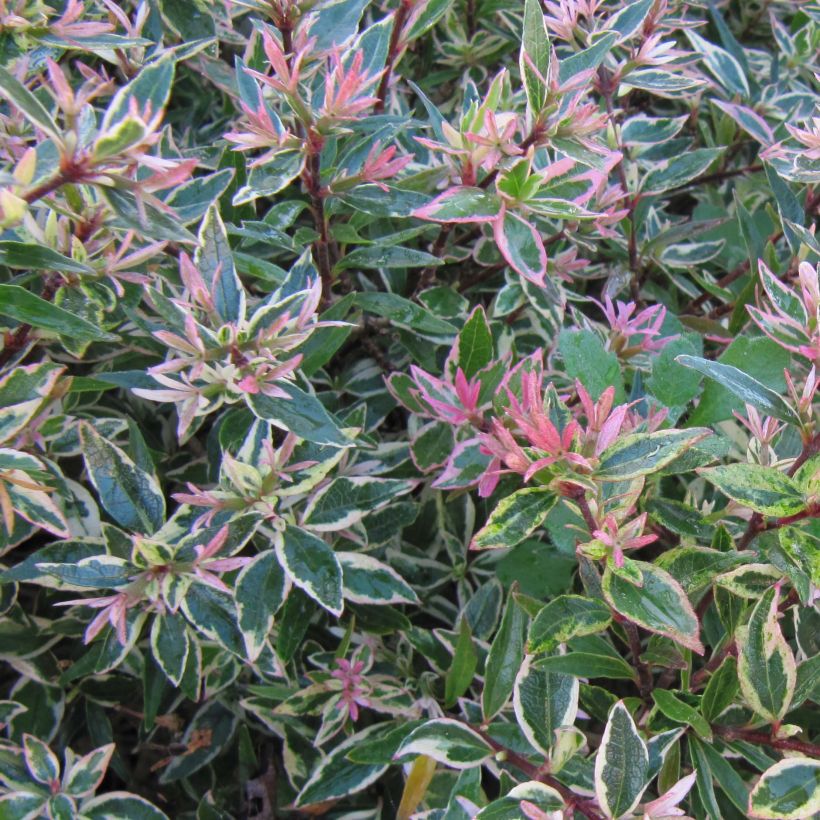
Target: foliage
x=408, y=408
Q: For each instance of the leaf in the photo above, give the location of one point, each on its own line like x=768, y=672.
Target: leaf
x=301, y=413
x=521, y=245
x=765, y=663
x=367, y=580
x=586, y=359
x=743, y=386
x=404, y=313
x=789, y=790
x=535, y=54
x=749, y=581
x=390, y=256
x=514, y=518
x=681, y=712
x=765, y=490
x=114, y=805
x=151, y=89
x=644, y=453
x=20, y=305
x=475, y=343
x=344, y=501
x=461, y=204
x=629, y=19
x=504, y=659
x=723, y=66
x=337, y=776
x=460, y=674
x=312, y=565
x=131, y=496
x=87, y=772
x=662, y=83
x=679, y=170
x=659, y=604
x=566, y=617
x=214, y=261
x=28, y=256
x=170, y=645
x=259, y=592
x=447, y=741
x=588, y=665
x=587, y=60
x=543, y=701
x=621, y=764
x=721, y=691
x=42, y=763
x=12, y=90
x=334, y=22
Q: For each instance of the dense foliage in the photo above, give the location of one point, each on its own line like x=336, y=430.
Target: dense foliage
x=408, y=409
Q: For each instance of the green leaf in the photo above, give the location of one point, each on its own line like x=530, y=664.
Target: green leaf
x=514, y=518
x=543, y=702
x=743, y=386
x=566, y=617
x=337, y=776
x=461, y=204
x=214, y=261
x=259, y=592
x=644, y=453
x=586, y=359
x=170, y=645
x=765, y=663
x=535, y=47
x=504, y=659
x=621, y=764
x=335, y=22
x=588, y=665
x=20, y=305
x=26, y=256
x=404, y=313
x=766, y=490
x=113, y=805
x=659, y=604
x=629, y=19
x=721, y=691
x=301, y=413
x=587, y=60
x=475, y=344
x=390, y=256
x=521, y=245
x=367, y=580
x=42, y=763
x=789, y=790
x=679, y=170
x=676, y=709
x=150, y=88
x=12, y=90
x=131, y=496
x=723, y=66
x=460, y=674
x=312, y=565
x=345, y=501
x=447, y=741
x=749, y=581
x=87, y=772
x=694, y=568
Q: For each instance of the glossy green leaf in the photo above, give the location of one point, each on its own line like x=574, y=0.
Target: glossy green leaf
x=514, y=518
x=766, y=490
x=447, y=741
x=643, y=453
x=460, y=674
x=504, y=659
x=659, y=604
x=566, y=617
x=789, y=790
x=312, y=565
x=621, y=764
x=765, y=664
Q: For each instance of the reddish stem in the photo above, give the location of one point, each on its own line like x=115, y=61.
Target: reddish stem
x=784, y=744
x=399, y=19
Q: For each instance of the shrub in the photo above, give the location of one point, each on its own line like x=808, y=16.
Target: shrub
x=409, y=409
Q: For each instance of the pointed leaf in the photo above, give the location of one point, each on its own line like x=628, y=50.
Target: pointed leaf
x=449, y=742
x=312, y=565
x=789, y=790
x=515, y=517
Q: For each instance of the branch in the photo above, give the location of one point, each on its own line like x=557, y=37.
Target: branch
x=586, y=807
x=783, y=744
x=399, y=19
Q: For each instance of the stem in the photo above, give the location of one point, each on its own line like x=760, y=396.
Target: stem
x=644, y=674
x=399, y=19
x=46, y=187
x=784, y=744
x=311, y=177
x=586, y=807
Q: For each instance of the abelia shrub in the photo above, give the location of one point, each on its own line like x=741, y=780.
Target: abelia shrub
x=408, y=409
